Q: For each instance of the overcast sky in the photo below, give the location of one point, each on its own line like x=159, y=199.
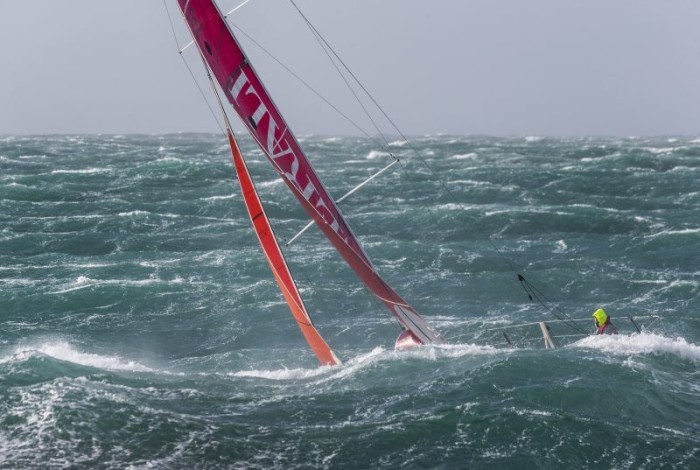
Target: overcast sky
x=497, y=67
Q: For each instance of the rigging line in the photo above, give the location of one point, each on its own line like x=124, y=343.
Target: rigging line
x=322, y=41
x=170, y=21
x=369, y=95
x=236, y=8
x=555, y=307
x=393, y=320
x=225, y=16
x=532, y=290
x=342, y=198
x=189, y=69
x=326, y=48
x=308, y=86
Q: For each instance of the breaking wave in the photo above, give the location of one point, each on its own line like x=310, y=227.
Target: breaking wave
x=64, y=351
x=642, y=343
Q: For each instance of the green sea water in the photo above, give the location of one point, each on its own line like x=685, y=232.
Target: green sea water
x=140, y=326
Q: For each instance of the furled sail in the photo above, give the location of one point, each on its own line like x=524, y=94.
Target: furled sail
x=274, y=256
x=253, y=104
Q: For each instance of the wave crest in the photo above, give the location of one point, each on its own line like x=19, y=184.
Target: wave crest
x=64, y=351
x=642, y=343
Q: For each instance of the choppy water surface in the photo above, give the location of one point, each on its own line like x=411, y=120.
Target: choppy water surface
x=140, y=325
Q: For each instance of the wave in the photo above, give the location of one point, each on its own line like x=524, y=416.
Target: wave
x=687, y=231
x=342, y=370
x=375, y=154
x=465, y=156
x=219, y=198
x=82, y=282
x=378, y=354
x=64, y=351
x=138, y=212
x=86, y=171
x=642, y=343
x=661, y=151
x=451, y=351
x=270, y=183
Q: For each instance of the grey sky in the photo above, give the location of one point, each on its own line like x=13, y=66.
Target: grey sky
x=498, y=67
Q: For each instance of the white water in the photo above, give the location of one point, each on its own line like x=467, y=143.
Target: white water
x=642, y=343
x=64, y=351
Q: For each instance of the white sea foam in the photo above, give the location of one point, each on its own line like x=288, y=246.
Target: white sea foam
x=522, y=412
x=375, y=154
x=450, y=351
x=686, y=231
x=140, y=213
x=282, y=374
x=660, y=151
x=31, y=157
x=603, y=157
x=465, y=156
x=561, y=247
x=451, y=206
x=82, y=282
x=86, y=171
x=133, y=213
x=11, y=283
x=529, y=210
x=590, y=206
x=643, y=343
x=66, y=352
x=219, y=198
x=363, y=361
x=333, y=372
x=682, y=169
x=269, y=184
x=169, y=159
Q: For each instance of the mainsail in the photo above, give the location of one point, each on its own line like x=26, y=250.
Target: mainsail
x=274, y=256
x=252, y=103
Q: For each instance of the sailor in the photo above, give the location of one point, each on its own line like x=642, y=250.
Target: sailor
x=603, y=324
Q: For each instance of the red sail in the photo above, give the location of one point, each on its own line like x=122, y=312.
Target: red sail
x=274, y=256
x=253, y=104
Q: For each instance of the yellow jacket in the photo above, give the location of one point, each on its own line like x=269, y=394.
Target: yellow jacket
x=600, y=317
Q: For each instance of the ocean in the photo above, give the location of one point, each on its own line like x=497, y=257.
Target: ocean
x=140, y=326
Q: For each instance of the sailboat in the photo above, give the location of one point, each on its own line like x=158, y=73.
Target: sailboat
x=227, y=65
